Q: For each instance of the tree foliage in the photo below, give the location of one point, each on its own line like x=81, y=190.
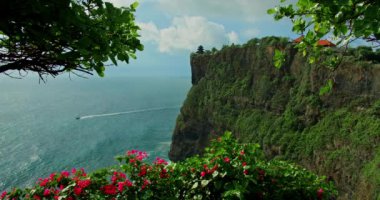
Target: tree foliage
x=344, y=20
x=52, y=37
x=200, y=49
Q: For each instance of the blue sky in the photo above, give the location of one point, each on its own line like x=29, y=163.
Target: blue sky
x=172, y=29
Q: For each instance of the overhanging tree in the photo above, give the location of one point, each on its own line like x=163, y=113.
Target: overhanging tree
x=343, y=20
x=51, y=37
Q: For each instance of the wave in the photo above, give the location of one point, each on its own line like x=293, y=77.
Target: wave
x=125, y=112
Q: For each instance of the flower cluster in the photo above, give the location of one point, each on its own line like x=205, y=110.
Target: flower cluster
x=216, y=175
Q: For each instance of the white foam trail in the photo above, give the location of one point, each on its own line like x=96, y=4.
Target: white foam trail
x=124, y=113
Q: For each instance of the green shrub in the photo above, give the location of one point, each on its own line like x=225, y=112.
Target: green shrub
x=227, y=170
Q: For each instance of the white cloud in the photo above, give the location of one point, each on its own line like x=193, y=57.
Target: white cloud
x=247, y=10
x=187, y=33
x=120, y=3
x=233, y=37
x=250, y=33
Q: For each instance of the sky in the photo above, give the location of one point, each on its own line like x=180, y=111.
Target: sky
x=172, y=29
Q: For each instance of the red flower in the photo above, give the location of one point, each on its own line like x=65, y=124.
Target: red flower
x=3, y=195
x=44, y=182
x=320, y=193
x=77, y=190
x=244, y=164
x=61, y=187
x=142, y=171
x=52, y=176
x=36, y=197
x=146, y=183
x=84, y=183
x=65, y=174
x=120, y=186
x=163, y=173
x=160, y=161
x=46, y=192
x=227, y=160
x=140, y=155
x=242, y=152
x=128, y=183
x=203, y=173
x=83, y=173
x=109, y=189
x=245, y=172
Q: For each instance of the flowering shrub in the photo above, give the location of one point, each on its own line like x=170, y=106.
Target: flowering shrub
x=227, y=170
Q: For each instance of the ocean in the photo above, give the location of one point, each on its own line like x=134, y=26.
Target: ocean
x=73, y=123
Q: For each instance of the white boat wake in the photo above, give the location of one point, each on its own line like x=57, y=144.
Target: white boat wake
x=124, y=113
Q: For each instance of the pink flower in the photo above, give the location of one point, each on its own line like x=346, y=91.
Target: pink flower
x=140, y=155
x=128, y=183
x=73, y=171
x=46, y=192
x=77, y=190
x=142, y=171
x=83, y=173
x=146, y=183
x=120, y=186
x=44, y=182
x=227, y=160
x=3, y=194
x=163, y=173
x=52, y=176
x=320, y=193
x=65, y=174
x=160, y=161
x=203, y=173
x=36, y=197
x=109, y=189
x=61, y=187
x=84, y=183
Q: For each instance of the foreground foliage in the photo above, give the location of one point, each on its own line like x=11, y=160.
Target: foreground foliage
x=344, y=20
x=227, y=170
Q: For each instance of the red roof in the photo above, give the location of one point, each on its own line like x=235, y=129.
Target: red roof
x=298, y=40
x=324, y=43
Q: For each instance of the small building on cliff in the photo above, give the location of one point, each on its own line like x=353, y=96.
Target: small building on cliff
x=324, y=43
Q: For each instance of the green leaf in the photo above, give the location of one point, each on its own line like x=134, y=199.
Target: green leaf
x=279, y=59
x=135, y=5
x=271, y=11
x=204, y=183
x=113, y=60
x=195, y=185
x=326, y=88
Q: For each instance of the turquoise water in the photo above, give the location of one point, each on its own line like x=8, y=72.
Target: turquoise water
x=39, y=132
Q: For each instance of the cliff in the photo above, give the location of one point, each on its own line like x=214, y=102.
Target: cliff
x=239, y=89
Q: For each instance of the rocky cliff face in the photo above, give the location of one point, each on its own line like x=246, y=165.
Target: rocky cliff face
x=239, y=89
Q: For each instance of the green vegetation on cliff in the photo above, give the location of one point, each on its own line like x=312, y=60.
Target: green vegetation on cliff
x=337, y=134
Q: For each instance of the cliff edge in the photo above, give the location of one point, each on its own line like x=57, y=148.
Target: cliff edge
x=239, y=89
